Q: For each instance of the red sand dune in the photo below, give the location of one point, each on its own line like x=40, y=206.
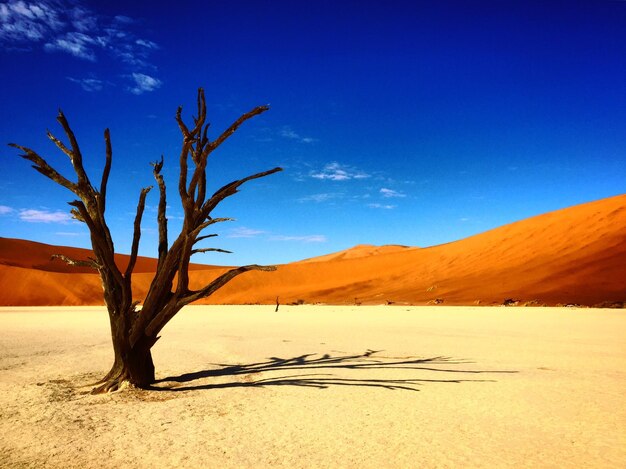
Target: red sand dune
x=574, y=255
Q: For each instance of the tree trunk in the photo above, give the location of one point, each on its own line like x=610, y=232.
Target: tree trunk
x=132, y=364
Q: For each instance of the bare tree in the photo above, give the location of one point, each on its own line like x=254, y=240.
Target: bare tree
x=135, y=325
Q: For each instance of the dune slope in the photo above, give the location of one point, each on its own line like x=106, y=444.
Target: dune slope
x=574, y=255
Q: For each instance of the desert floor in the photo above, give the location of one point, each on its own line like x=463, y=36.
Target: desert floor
x=321, y=386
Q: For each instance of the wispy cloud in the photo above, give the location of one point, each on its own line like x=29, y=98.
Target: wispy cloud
x=82, y=19
x=64, y=26
x=337, y=172
x=147, y=44
x=77, y=44
x=289, y=133
x=243, y=232
x=382, y=206
x=390, y=193
x=4, y=210
x=44, y=216
x=324, y=197
x=302, y=239
x=88, y=84
x=144, y=83
x=28, y=21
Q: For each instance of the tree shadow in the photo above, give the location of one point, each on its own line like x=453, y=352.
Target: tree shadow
x=369, y=360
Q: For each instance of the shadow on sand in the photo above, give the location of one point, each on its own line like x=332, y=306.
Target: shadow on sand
x=436, y=368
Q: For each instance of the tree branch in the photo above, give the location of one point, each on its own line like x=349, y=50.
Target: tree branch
x=200, y=238
x=76, y=215
x=197, y=177
x=209, y=222
x=234, y=126
x=183, y=266
x=91, y=263
x=106, y=171
x=197, y=135
x=162, y=318
x=183, y=128
x=44, y=168
x=81, y=214
x=222, y=280
x=230, y=189
x=161, y=218
x=60, y=145
x=100, y=244
x=203, y=250
x=182, y=178
x=75, y=155
x=137, y=232
x=198, y=129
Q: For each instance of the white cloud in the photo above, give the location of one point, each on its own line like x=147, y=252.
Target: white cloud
x=123, y=19
x=337, y=172
x=324, y=197
x=147, y=44
x=4, y=210
x=287, y=132
x=82, y=19
x=27, y=21
x=382, y=206
x=75, y=43
x=303, y=239
x=243, y=232
x=44, y=216
x=88, y=84
x=144, y=83
x=64, y=26
x=132, y=59
x=389, y=193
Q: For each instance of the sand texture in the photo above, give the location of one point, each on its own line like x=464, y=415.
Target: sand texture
x=575, y=255
x=313, y=386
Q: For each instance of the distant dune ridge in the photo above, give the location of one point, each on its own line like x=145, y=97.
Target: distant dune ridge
x=572, y=256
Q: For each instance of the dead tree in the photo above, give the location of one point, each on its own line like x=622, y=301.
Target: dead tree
x=135, y=325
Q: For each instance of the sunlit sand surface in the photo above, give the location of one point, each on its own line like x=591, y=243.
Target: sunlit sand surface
x=313, y=386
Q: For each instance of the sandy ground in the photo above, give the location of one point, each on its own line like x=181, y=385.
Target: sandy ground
x=243, y=386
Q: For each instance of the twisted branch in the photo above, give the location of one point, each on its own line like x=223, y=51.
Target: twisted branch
x=91, y=263
x=163, y=317
x=222, y=280
x=44, y=168
x=137, y=231
x=235, y=125
x=161, y=218
x=106, y=171
x=203, y=250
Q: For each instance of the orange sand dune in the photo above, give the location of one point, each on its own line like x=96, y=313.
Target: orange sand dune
x=31, y=255
x=574, y=255
x=361, y=250
x=30, y=277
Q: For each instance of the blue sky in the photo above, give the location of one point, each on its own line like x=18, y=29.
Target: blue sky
x=414, y=123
